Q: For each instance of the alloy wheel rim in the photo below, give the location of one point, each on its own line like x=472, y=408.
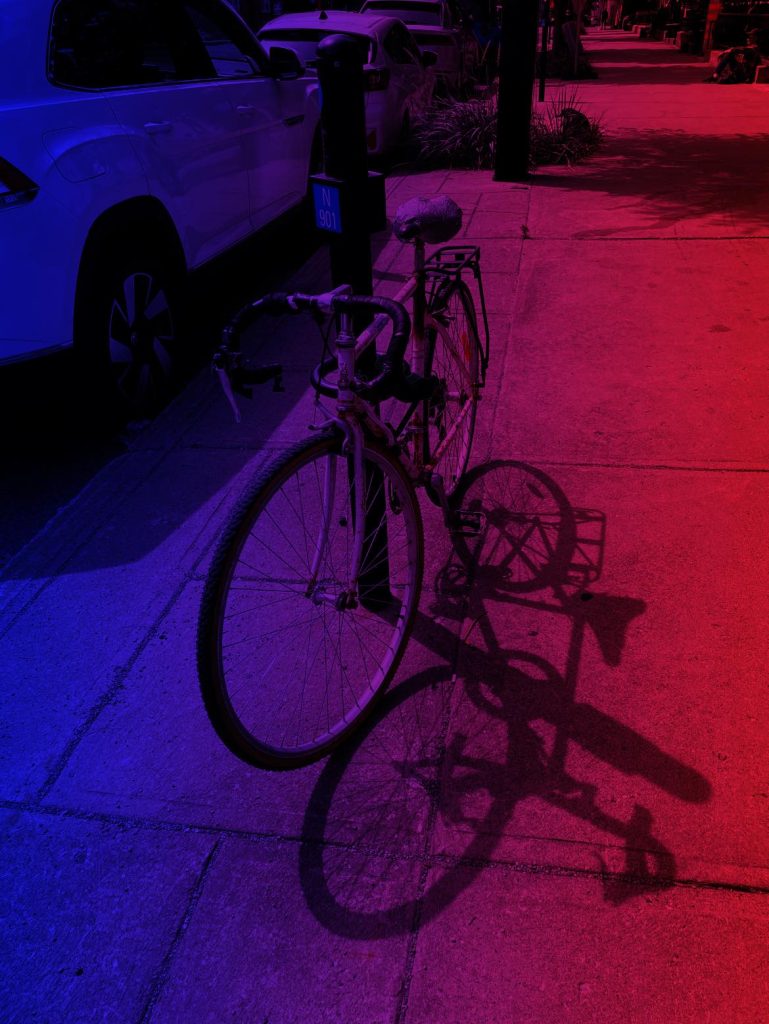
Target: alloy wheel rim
x=141, y=337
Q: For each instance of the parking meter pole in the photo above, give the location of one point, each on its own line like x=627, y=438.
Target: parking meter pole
x=345, y=159
x=517, y=65
x=343, y=123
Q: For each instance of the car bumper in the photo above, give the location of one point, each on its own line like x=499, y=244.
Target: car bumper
x=37, y=279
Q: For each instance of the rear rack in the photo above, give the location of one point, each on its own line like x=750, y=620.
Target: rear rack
x=451, y=260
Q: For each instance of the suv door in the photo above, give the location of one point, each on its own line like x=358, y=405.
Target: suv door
x=272, y=114
x=183, y=125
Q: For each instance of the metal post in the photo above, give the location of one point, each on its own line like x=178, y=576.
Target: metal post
x=345, y=158
x=517, y=65
x=345, y=155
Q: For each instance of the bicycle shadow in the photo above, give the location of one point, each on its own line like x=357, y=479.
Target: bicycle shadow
x=406, y=815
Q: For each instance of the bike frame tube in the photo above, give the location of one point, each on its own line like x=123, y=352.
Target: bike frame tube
x=360, y=502
x=346, y=348
x=416, y=467
x=419, y=420
x=329, y=489
x=413, y=288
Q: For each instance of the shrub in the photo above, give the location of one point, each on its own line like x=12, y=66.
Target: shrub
x=459, y=134
x=464, y=134
x=563, y=134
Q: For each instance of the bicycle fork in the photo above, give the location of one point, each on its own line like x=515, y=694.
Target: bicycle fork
x=368, y=501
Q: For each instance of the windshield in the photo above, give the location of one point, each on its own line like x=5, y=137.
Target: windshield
x=304, y=42
x=410, y=11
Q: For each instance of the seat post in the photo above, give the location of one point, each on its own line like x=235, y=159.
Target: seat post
x=419, y=305
x=418, y=353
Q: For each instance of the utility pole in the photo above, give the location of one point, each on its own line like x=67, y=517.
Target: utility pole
x=517, y=62
x=544, y=21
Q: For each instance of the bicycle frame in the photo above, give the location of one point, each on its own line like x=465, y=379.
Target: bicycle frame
x=445, y=264
x=354, y=416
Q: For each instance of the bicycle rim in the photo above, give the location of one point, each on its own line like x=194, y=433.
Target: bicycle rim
x=286, y=672
x=451, y=417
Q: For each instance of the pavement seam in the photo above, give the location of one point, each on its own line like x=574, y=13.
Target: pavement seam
x=161, y=978
x=430, y=860
x=401, y=1006
x=650, y=466
x=64, y=557
x=111, y=500
x=547, y=239
x=109, y=696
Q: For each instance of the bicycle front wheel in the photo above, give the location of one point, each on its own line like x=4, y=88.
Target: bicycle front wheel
x=289, y=664
x=454, y=359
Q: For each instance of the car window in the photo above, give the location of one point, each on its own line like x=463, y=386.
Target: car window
x=304, y=42
x=102, y=44
x=400, y=46
x=413, y=48
x=411, y=12
x=228, y=58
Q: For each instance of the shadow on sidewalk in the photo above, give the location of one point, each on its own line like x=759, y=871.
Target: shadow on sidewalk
x=672, y=72
x=652, y=55
x=404, y=818
x=57, y=447
x=654, y=169
x=639, y=62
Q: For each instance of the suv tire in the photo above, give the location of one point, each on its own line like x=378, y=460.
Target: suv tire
x=127, y=328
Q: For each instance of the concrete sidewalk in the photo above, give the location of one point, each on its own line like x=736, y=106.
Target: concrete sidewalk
x=561, y=812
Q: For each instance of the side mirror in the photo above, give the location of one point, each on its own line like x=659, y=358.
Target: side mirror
x=429, y=58
x=284, y=63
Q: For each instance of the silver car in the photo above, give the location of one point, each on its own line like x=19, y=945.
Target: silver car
x=399, y=79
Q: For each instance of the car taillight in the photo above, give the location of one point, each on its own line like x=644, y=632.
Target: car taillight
x=376, y=79
x=15, y=186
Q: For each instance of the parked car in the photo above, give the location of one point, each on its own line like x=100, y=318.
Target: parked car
x=433, y=26
x=450, y=69
x=398, y=77
x=138, y=140
x=436, y=13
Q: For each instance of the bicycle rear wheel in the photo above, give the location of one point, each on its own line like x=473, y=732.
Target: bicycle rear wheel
x=454, y=357
x=287, y=667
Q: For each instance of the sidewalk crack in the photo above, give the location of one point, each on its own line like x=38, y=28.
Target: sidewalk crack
x=161, y=978
x=108, y=698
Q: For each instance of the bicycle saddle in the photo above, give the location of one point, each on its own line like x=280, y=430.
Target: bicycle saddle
x=431, y=218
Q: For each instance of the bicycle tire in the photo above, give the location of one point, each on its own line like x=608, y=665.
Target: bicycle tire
x=454, y=357
x=287, y=675
x=528, y=532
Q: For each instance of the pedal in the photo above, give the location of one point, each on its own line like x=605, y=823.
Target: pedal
x=467, y=523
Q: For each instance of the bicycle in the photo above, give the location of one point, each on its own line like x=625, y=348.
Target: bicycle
x=315, y=582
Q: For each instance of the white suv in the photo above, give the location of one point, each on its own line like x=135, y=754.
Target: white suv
x=138, y=139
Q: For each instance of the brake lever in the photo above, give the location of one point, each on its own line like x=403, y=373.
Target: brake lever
x=238, y=377
x=222, y=372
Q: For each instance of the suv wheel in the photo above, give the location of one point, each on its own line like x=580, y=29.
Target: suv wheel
x=127, y=330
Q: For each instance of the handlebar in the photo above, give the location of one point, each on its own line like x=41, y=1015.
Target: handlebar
x=337, y=301
x=392, y=378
